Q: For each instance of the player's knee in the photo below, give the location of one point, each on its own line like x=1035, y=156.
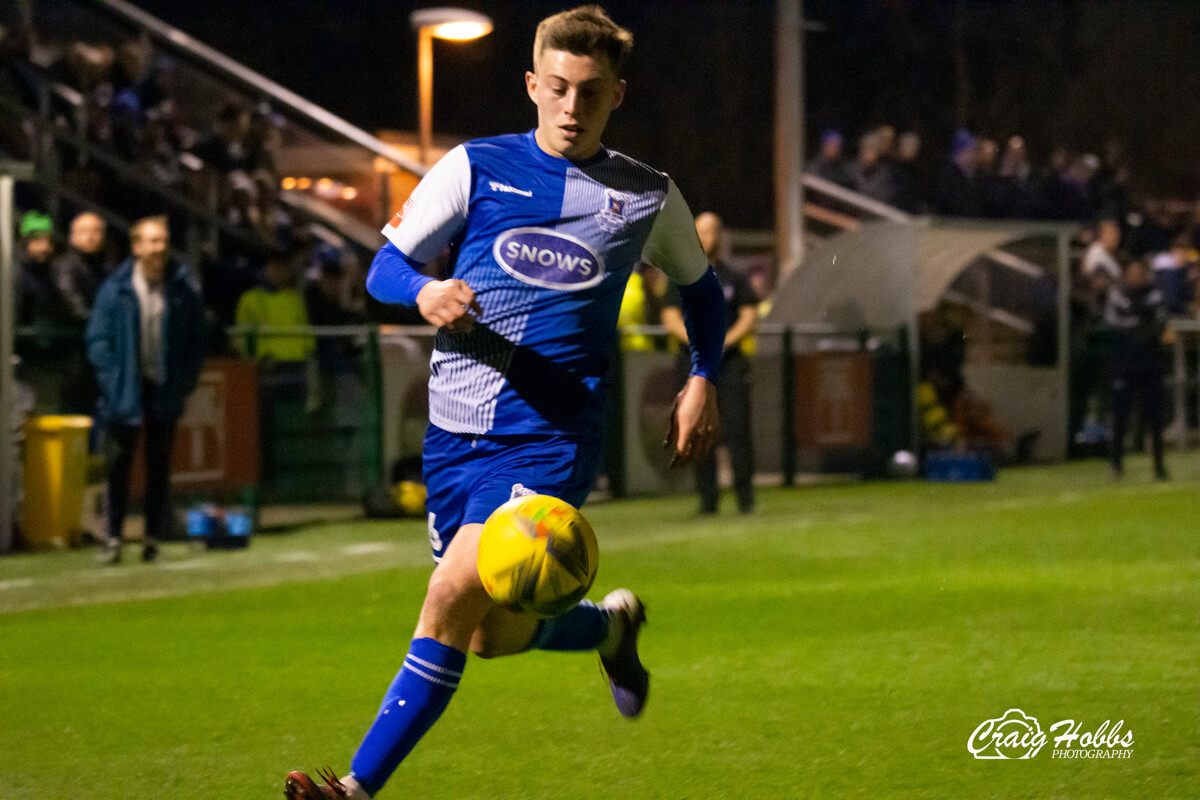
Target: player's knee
x=445, y=592
x=454, y=606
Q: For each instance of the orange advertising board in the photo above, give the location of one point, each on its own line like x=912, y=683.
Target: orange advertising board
x=217, y=440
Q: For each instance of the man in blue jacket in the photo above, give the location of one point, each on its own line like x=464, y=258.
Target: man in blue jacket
x=145, y=340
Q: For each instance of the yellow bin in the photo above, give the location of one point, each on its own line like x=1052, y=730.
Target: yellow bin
x=56, y=461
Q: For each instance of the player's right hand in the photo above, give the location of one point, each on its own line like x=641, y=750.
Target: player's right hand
x=448, y=304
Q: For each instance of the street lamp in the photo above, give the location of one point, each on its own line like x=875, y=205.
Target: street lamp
x=454, y=24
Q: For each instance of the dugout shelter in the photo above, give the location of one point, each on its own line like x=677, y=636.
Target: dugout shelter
x=1010, y=281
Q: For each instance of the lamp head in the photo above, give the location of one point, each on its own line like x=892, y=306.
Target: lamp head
x=455, y=24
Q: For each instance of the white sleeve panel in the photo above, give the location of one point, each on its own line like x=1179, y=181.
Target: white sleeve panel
x=673, y=245
x=436, y=210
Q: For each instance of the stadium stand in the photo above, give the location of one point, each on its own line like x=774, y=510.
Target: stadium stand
x=124, y=115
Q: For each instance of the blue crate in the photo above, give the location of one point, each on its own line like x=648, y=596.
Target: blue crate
x=237, y=529
x=202, y=524
x=215, y=528
x=951, y=466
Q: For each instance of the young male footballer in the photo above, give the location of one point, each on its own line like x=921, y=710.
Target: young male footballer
x=543, y=230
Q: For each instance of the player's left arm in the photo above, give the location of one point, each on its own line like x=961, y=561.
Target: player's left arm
x=674, y=248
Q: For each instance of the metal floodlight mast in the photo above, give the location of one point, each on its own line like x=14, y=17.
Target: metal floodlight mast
x=789, y=136
x=452, y=24
x=10, y=172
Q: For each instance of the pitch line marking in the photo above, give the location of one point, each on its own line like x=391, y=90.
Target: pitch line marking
x=645, y=541
x=298, y=557
x=17, y=583
x=180, y=566
x=366, y=548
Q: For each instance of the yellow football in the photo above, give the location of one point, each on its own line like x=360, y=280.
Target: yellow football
x=537, y=554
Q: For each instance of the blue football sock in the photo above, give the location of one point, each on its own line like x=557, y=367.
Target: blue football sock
x=584, y=627
x=417, y=697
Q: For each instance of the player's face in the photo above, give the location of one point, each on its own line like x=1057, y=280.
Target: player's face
x=574, y=96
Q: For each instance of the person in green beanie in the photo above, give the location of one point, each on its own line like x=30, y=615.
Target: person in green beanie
x=39, y=302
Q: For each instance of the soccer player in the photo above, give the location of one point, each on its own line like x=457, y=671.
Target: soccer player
x=543, y=229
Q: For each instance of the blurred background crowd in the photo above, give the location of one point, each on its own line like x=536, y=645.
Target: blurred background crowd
x=128, y=101
x=137, y=131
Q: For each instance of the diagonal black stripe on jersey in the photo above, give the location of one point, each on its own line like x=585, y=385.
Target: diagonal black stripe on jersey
x=548, y=387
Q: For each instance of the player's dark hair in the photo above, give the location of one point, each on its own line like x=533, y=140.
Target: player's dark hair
x=583, y=31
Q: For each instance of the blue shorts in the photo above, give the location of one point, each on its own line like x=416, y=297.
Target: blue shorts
x=468, y=477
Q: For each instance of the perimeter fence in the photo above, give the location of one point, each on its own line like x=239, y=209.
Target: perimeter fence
x=352, y=414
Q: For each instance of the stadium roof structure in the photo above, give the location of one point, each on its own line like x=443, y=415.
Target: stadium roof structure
x=883, y=273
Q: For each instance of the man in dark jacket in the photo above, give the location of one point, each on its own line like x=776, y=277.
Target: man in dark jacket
x=1136, y=316
x=145, y=340
x=84, y=265
x=733, y=392
x=78, y=273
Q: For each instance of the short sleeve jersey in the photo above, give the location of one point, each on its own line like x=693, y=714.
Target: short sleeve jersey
x=547, y=246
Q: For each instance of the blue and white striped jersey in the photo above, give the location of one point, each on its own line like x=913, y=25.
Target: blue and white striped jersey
x=547, y=246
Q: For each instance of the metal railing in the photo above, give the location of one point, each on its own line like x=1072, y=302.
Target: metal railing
x=203, y=218
x=368, y=158
x=330, y=381
x=373, y=173
x=362, y=420
x=283, y=98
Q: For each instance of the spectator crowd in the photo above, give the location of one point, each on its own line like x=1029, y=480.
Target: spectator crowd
x=266, y=267
x=985, y=178
x=128, y=152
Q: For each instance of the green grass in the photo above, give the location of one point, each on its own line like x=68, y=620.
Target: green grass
x=844, y=642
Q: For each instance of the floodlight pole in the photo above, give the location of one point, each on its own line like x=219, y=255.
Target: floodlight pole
x=425, y=91
x=9, y=173
x=457, y=24
x=789, y=136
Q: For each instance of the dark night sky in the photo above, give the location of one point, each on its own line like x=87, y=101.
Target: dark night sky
x=701, y=77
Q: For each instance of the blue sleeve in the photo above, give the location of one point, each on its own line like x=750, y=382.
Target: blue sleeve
x=393, y=277
x=100, y=336
x=703, y=306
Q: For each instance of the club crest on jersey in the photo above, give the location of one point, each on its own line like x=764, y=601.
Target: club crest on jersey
x=612, y=216
x=547, y=258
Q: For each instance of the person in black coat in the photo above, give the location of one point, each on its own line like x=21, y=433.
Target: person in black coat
x=1135, y=315
x=733, y=389
x=958, y=192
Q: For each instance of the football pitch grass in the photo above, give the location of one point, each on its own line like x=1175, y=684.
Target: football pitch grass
x=844, y=642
